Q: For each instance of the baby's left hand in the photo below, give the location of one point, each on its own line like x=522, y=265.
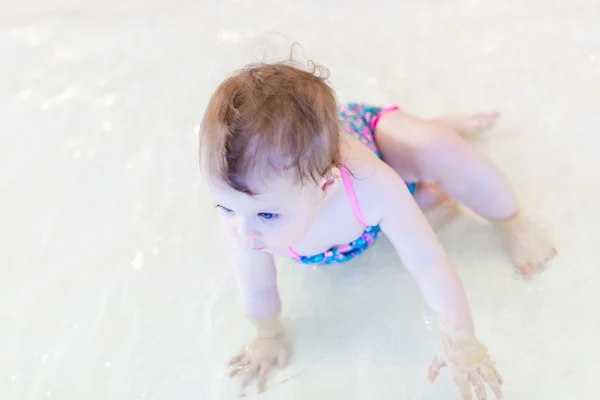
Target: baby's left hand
x=469, y=362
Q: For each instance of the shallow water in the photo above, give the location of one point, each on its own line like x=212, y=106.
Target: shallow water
x=114, y=277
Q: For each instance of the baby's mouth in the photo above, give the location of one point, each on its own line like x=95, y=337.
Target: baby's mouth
x=257, y=245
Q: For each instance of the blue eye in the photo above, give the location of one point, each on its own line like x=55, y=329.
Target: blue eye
x=268, y=216
x=227, y=210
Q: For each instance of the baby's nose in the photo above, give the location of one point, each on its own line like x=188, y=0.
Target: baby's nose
x=253, y=234
x=245, y=229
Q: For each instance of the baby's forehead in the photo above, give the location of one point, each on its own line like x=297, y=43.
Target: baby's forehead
x=271, y=179
x=272, y=189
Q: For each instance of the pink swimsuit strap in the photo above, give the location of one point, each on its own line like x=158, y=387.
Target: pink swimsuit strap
x=352, y=195
x=353, y=201
x=346, y=176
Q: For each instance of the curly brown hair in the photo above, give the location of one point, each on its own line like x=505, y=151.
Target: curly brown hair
x=275, y=115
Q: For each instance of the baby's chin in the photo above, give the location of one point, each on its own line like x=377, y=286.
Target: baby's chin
x=277, y=247
x=291, y=239
x=274, y=248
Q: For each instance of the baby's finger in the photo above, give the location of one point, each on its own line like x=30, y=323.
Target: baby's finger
x=284, y=356
x=462, y=381
x=478, y=386
x=435, y=367
x=241, y=366
x=490, y=376
x=498, y=376
x=236, y=359
x=250, y=372
x=262, y=375
x=235, y=371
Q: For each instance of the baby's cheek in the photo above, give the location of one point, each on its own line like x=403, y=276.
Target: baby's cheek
x=295, y=232
x=229, y=227
x=276, y=236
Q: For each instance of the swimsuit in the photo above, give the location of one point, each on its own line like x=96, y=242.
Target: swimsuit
x=359, y=121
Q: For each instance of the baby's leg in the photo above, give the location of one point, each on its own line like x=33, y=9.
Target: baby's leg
x=468, y=125
x=432, y=153
x=437, y=206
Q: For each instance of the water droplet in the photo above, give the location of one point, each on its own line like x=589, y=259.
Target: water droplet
x=229, y=36
x=107, y=100
x=130, y=164
x=138, y=260
x=60, y=98
x=24, y=94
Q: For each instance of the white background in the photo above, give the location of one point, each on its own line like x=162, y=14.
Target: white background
x=113, y=275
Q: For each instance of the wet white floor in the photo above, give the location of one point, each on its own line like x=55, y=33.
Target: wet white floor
x=113, y=280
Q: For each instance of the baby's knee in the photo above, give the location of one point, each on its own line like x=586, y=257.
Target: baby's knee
x=440, y=139
x=439, y=147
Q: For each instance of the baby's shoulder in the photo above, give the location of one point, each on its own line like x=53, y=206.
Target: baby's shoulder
x=369, y=181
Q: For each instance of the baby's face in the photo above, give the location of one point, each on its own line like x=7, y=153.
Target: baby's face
x=276, y=218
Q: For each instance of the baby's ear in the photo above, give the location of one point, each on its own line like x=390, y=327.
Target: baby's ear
x=330, y=182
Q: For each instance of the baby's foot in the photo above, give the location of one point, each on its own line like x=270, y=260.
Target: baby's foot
x=441, y=214
x=438, y=207
x=529, y=247
x=470, y=125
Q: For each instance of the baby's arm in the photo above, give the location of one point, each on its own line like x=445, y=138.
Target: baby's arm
x=423, y=255
x=257, y=281
x=421, y=251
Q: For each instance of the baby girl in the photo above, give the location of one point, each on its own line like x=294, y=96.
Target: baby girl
x=295, y=175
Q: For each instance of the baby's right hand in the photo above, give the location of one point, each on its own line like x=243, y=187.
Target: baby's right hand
x=258, y=357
